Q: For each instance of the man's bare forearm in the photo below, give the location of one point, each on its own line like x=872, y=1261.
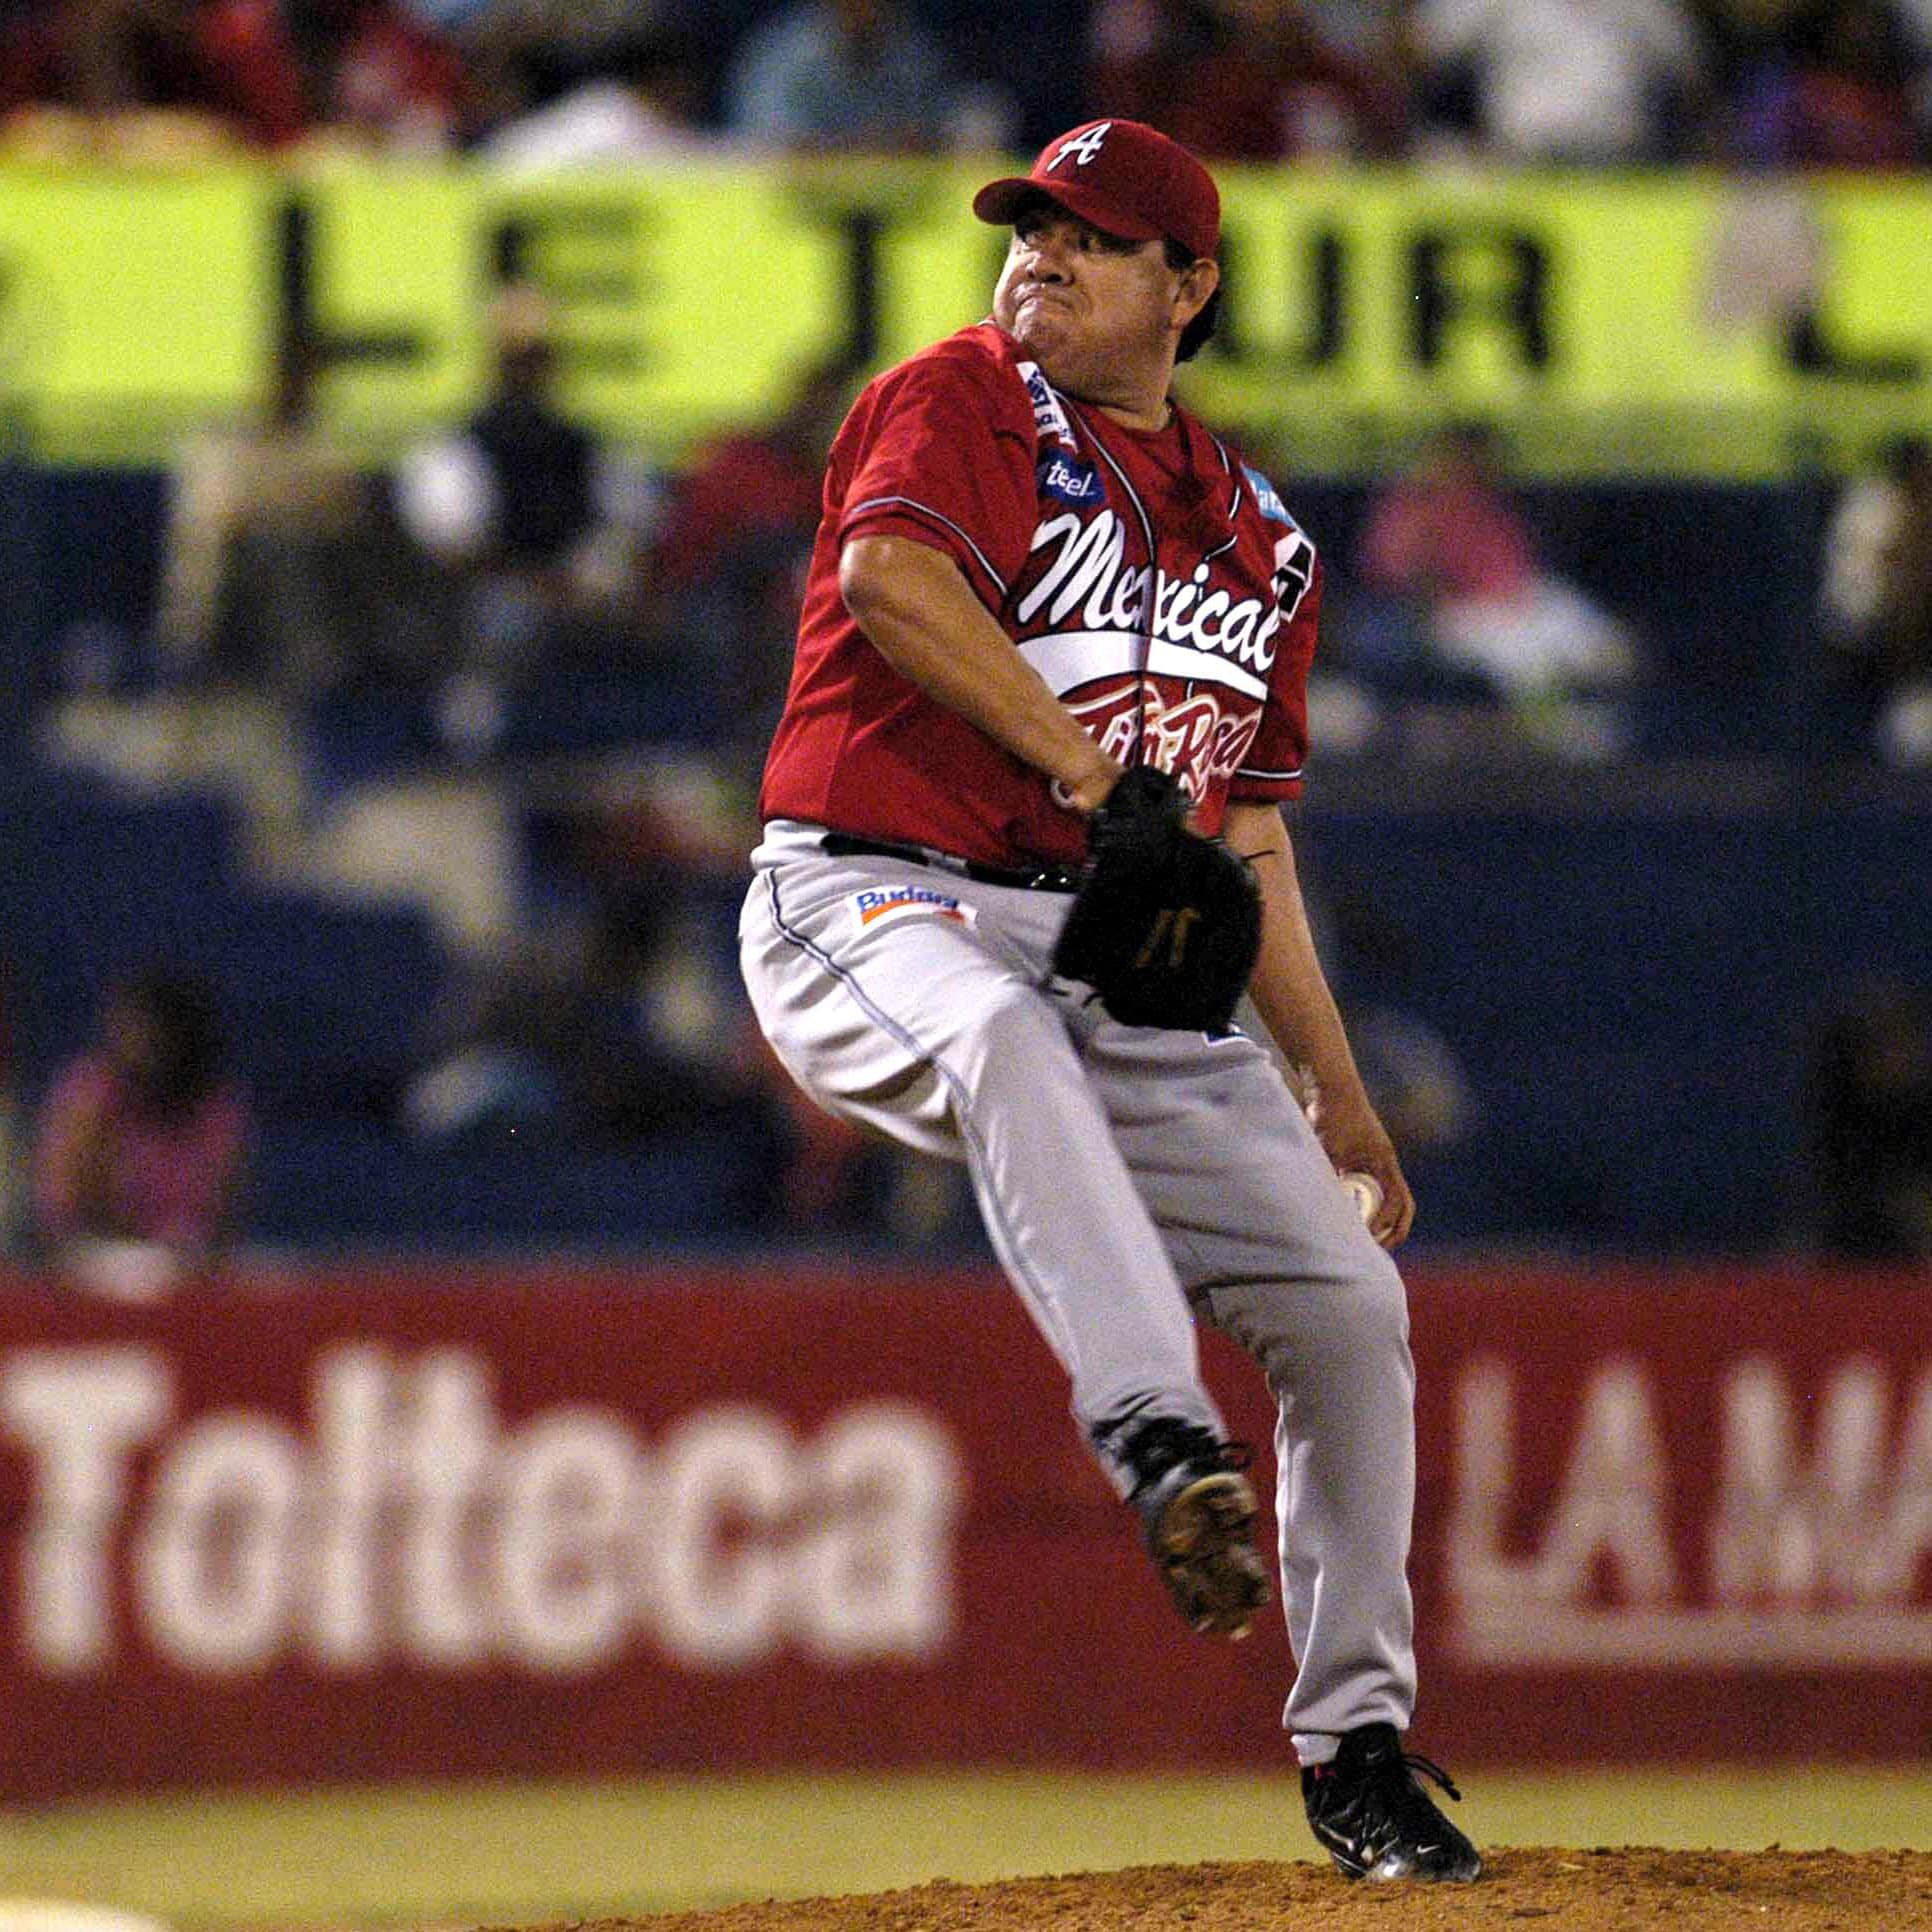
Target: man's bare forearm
x=1289, y=988
x=921, y=616
x=1291, y=993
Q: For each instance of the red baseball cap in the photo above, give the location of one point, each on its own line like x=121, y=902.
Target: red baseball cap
x=1123, y=176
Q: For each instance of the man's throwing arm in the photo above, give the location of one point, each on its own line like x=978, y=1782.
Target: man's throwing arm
x=1290, y=992
x=921, y=616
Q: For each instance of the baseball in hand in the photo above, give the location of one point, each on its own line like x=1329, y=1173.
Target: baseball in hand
x=1367, y=1191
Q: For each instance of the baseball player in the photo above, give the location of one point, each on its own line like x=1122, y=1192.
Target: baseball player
x=1035, y=571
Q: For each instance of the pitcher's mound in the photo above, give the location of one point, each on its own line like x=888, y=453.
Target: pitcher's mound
x=1573, y=1891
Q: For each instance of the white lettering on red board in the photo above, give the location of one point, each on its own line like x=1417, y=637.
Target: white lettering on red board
x=1815, y=1550
x=408, y=1521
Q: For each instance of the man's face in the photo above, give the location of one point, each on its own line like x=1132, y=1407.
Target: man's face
x=1096, y=312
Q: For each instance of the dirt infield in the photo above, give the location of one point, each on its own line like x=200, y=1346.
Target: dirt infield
x=1577, y=1891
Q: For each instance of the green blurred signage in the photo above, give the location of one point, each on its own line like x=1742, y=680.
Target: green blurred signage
x=1694, y=325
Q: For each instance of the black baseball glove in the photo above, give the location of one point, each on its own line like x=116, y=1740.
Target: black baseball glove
x=1166, y=925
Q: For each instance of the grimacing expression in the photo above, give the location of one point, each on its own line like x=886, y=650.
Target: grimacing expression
x=1090, y=307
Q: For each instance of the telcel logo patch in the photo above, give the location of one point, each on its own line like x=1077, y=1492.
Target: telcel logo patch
x=888, y=902
x=1070, y=481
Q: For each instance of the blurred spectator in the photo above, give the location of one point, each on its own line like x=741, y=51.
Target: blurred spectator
x=1843, y=92
x=727, y=564
x=1743, y=36
x=848, y=74
x=759, y=485
x=142, y=1142
x=639, y=99
x=1769, y=257
x=521, y=55
x=1564, y=81
x=1870, y=1100
x=277, y=574
x=1251, y=80
x=538, y=525
x=1471, y=610
x=638, y=1026
x=490, y=1061
x=217, y=70
x=1021, y=80
x=173, y=78
x=373, y=75
x=1368, y=30
x=1877, y=603
x=1413, y=1073
x=571, y=28
x=612, y=1033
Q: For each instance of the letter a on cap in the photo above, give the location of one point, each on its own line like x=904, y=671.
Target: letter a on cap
x=1086, y=146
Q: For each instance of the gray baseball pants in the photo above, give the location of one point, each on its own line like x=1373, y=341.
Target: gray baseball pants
x=1128, y=1177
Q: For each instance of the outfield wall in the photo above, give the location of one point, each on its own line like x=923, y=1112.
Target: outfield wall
x=404, y=1521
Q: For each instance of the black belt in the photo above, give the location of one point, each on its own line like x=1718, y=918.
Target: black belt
x=1039, y=878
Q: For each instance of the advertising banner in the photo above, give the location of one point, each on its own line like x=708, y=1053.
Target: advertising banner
x=1684, y=324
x=425, y=1521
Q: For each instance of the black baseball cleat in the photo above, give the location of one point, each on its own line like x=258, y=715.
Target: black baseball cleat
x=1198, y=1512
x=1376, y=1821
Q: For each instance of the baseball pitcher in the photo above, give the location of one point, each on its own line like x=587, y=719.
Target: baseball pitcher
x=1024, y=851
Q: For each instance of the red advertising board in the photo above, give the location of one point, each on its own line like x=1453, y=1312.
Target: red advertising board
x=412, y=1521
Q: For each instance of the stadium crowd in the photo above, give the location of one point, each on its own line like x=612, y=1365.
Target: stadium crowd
x=478, y=638
x=1757, y=83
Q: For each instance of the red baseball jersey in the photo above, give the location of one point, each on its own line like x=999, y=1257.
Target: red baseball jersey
x=1153, y=580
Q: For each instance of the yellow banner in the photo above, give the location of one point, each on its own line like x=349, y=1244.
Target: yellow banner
x=1682, y=324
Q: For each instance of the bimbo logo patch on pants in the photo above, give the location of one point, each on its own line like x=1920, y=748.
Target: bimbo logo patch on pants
x=881, y=903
